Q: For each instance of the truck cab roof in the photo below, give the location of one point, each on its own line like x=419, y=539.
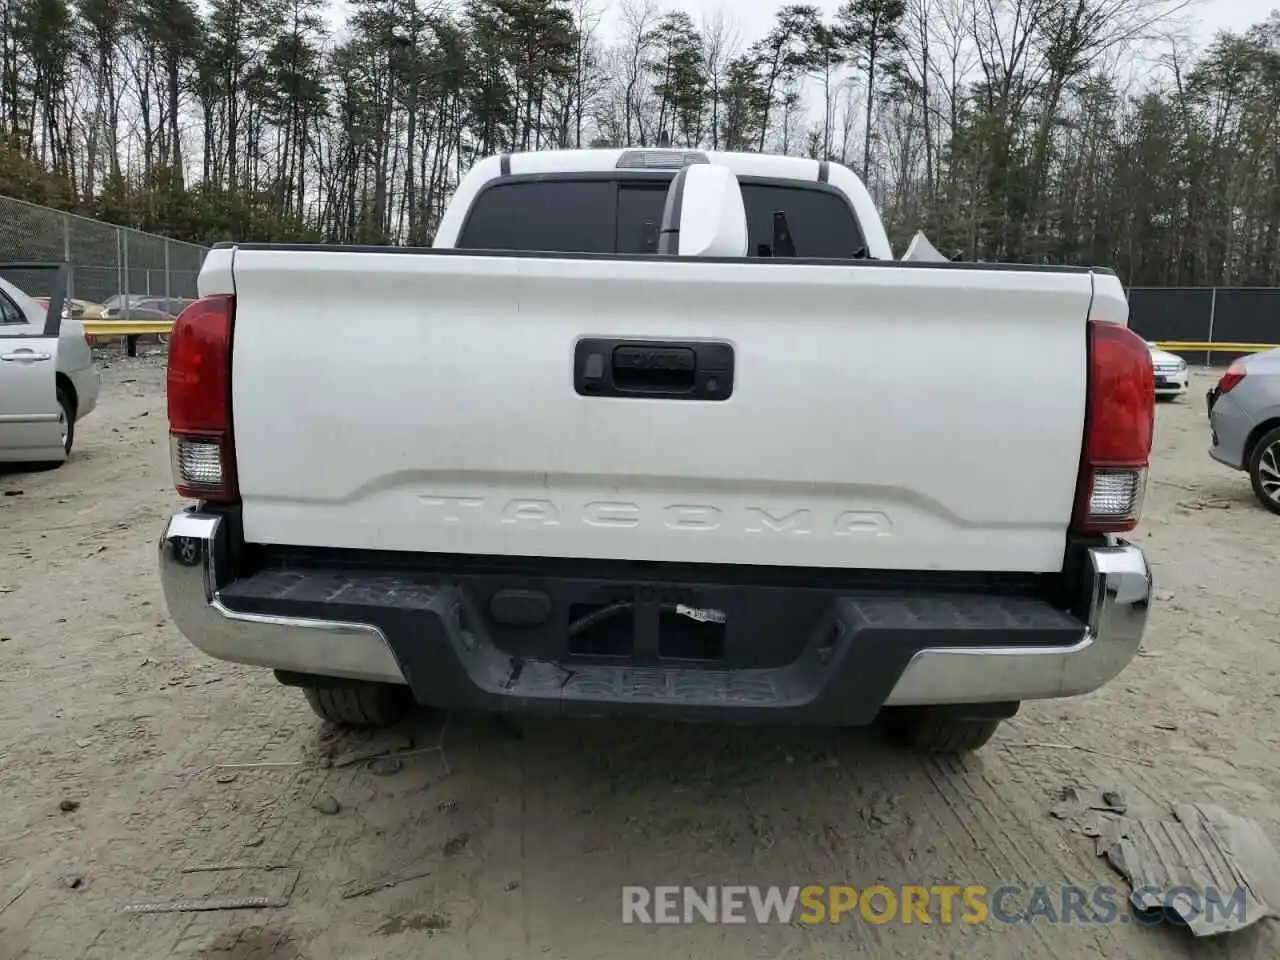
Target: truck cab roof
x=610, y=201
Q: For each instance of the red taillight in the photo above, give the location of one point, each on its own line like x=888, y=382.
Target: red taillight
x=1119, y=423
x=199, y=384
x=1235, y=373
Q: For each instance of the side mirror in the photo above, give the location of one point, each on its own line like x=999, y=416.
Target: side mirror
x=704, y=215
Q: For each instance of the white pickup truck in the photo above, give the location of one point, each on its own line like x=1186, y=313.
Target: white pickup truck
x=660, y=433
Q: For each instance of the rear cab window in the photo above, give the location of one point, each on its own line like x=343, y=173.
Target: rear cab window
x=623, y=215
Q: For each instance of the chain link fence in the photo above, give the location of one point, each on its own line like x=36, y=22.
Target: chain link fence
x=106, y=260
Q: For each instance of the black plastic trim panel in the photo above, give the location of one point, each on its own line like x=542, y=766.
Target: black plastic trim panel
x=789, y=655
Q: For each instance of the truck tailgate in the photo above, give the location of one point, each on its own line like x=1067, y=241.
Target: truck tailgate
x=882, y=415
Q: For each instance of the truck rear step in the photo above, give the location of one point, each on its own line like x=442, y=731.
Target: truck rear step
x=800, y=655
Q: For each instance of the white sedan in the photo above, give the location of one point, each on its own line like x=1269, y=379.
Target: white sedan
x=1172, y=375
x=47, y=379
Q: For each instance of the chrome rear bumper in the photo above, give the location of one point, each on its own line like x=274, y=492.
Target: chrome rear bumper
x=1117, y=617
x=194, y=568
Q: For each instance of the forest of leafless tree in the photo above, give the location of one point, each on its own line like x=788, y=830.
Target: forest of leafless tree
x=1070, y=131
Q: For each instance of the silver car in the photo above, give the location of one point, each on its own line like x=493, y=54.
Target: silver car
x=1244, y=419
x=138, y=307
x=1172, y=376
x=48, y=381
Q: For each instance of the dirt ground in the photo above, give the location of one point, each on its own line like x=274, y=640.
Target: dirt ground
x=513, y=842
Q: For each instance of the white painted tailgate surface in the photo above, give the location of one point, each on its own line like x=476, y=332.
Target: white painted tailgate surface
x=882, y=416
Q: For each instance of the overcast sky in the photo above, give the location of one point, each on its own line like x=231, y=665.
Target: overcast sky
x=754, y=16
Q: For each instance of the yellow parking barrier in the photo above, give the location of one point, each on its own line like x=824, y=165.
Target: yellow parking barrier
x=125, y=328
x=131, y=330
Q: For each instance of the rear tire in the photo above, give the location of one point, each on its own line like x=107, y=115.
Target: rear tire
x=66, y=424
x=67, y=420
x=938, y=729
x=360, y=704
x=1264, y=469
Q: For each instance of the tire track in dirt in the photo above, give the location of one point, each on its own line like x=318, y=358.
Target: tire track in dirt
x=987, y=842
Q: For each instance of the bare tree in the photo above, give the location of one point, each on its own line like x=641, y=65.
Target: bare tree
x=848, y=109
x=587, y=78
x=638, y=20
x=721, y=43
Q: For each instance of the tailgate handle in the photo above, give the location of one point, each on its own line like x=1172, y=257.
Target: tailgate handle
x=654, y=369
x=659, y=370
